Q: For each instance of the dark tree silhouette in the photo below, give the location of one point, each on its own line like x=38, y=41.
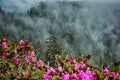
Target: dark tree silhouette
x=53, y=48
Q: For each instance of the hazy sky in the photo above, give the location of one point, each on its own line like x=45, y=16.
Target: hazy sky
x=23, y=5
x=18, y=5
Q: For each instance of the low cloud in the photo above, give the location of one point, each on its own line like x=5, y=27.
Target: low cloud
x=18, y=5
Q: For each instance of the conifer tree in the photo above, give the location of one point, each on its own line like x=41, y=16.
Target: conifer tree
x=53, y=48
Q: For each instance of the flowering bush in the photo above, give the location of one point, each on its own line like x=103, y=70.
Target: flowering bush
x=18, y=61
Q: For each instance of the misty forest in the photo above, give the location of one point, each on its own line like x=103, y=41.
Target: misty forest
x=59, y=40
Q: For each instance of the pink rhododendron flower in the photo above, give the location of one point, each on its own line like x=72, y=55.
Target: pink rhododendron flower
x=21, y=42
x=4, y=55
x=66, y=76
x=34, y=68
x=46, y=77
x=49, y=72
x=17, y=61
x=27, y=59
x=87, y=75
x=114, y=74
x=33, y=59
x=15, y=71
x=106, y=78
x=93, y=76
x=16, y=57
x=8, y=73
x=88, y=71
x=4, y=39
x=40, y=63
x=72, y=61
x=105, y=71
x=76, y=67
x=26, y=73
x=73, y=76
x=52, y=69
x=3, y=44
x=19, y=78
x=82, y=64
x=33, y=53
x=81, y=74
x=59, y=69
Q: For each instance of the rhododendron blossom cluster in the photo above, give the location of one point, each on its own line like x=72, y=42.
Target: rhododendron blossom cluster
x=18, y=61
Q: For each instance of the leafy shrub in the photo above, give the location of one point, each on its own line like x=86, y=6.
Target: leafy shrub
x=18, y=62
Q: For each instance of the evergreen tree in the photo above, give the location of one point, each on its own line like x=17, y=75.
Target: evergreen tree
x=53, y=48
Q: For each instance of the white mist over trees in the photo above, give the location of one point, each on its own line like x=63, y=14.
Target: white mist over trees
x=82, y=27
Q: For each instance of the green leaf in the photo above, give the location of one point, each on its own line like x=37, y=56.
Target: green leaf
x=101, y=76
x=40, y=72
x=11, y=65
x=116, y=67
x=54, y=77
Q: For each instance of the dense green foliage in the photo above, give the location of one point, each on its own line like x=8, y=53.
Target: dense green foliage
x=18, y=62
